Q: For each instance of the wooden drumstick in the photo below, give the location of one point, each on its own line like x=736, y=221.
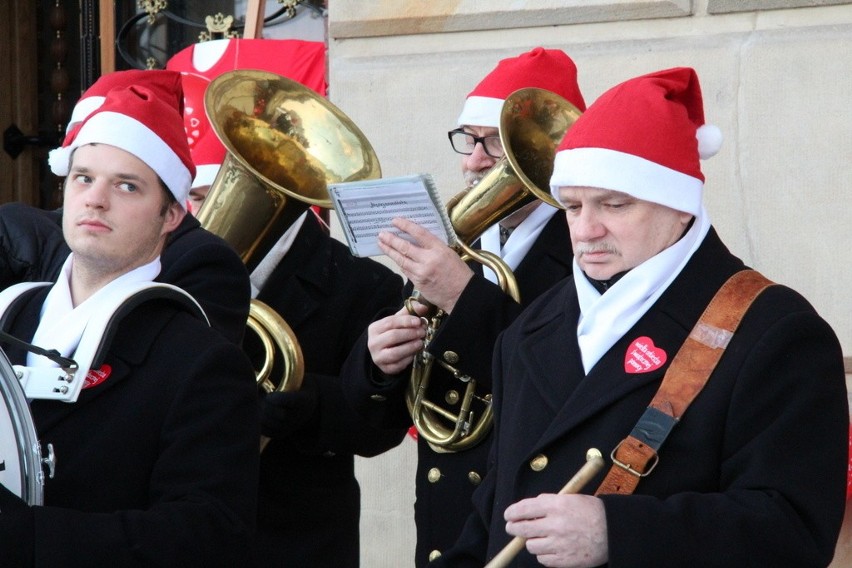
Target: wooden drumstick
x=594, y=463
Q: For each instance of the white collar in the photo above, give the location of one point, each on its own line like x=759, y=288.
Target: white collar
x=261, y=273
x=520, y=241
x=61, y=324
x=605, y=318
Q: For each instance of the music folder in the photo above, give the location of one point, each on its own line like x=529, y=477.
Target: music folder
x=365, y=208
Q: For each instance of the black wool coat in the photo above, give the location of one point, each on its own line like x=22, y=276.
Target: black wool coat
x=754, y=474
x=309, y=499
x=156, y=465
x=446, y=481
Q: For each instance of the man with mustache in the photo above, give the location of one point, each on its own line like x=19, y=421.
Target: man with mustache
x=714, y=427
x=158, y=451
x=533, y=241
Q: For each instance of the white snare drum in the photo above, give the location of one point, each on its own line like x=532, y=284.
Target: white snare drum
x=20, y=452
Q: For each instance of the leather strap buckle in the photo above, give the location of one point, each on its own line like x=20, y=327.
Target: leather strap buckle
x=627, y=467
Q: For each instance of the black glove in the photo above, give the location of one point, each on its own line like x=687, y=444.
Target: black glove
x=284, y=413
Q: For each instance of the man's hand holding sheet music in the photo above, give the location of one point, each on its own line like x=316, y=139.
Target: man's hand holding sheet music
x=435, y=269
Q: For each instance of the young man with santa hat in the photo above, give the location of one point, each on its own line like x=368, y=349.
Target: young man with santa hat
x=717, y=422
x=537, y=250
x=157, y=456
x=32, y=248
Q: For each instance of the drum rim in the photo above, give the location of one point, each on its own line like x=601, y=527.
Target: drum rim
x=25, y=433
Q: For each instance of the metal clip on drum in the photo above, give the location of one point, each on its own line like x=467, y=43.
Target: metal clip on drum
x=21, y=460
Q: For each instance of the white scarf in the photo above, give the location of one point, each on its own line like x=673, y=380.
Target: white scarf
x=261, y=273
x=520, y=241
x=61, y=325
x=605, y=318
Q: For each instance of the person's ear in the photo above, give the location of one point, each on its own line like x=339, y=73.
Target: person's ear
x=174, y=215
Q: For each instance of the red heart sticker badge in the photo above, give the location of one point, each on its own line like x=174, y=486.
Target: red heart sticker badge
x=96, y=376
x=643, y=356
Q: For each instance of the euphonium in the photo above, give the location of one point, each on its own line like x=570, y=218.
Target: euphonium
x=285, y=144
x=532, y=124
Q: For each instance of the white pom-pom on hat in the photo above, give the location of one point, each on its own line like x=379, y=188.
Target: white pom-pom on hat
x=709, y=140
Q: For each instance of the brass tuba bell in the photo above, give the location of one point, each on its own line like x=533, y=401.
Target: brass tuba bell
x=285, y=144
x=532, y=124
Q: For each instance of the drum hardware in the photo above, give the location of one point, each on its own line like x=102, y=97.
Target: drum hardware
x=21, y=456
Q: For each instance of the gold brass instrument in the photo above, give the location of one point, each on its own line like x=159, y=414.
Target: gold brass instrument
x=285, y=144
x=283, y=340
x=277, y=339
x=532, y=124
x=594, y=463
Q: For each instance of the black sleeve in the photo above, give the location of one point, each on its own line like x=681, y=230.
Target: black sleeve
x=206, y=267
x=32, y=248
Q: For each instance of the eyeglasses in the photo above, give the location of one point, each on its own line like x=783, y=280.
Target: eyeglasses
x=465, y=142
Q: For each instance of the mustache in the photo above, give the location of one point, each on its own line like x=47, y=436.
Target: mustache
x=472, y=178
x=580, y=250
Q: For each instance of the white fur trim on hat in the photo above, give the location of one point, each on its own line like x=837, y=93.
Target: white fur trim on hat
x=82, y=109
x=130, y=135
x=618, y=171
x=205, y=174
x=481, y=111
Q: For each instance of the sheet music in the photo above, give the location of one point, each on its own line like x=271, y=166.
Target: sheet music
x=366, y=208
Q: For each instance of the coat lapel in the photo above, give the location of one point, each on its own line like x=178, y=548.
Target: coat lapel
x=301, y=277
x=550, y=255
x=121, y=357
x=609, y=382
x=543, y=351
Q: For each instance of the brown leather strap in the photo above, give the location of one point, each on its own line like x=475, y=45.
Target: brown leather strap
x=637, y=455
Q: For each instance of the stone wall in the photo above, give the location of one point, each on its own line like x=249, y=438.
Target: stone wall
x=773, y=72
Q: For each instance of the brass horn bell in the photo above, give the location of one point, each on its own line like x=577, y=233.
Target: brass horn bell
x=532, y=124
x=285, y=144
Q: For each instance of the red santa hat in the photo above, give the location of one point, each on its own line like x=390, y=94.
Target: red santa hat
x=207, y=150
x=549, y=69
x=644, y=137
x=165, y=84
x=135, y=120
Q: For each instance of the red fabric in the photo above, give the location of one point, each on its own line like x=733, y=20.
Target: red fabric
x=849, y=470
x=203, y=143
x=654, y=117
x=302, y=61
x=165, y=85
x=549, y=69
x=162, y=116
